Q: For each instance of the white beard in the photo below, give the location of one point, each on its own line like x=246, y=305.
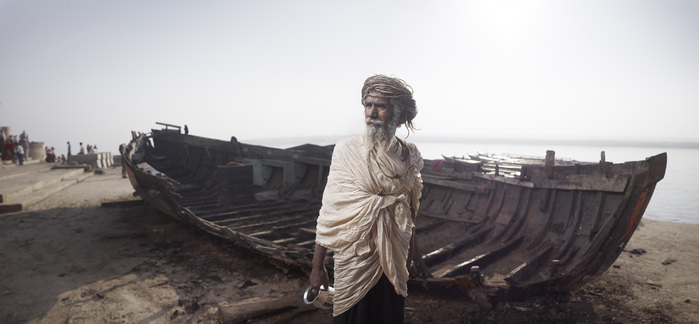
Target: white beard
x=379, y=135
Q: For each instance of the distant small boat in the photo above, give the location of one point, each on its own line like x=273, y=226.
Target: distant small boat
x=485, y=221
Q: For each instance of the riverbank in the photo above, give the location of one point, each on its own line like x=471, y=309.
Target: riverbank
x=67, y=259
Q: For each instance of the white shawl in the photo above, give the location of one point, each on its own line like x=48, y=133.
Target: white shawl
x=366, y=218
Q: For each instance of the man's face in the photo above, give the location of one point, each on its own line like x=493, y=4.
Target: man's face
x=379, y=123
x=377, y=107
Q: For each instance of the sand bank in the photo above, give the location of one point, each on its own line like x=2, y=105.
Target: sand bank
x=69, y=260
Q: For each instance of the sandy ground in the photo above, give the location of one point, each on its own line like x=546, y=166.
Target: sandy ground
x=69, y=260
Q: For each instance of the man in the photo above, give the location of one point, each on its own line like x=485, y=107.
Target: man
x=20, y=154
x=369, y=206
x=123, y=168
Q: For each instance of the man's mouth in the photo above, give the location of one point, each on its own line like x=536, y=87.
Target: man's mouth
x=374, y=122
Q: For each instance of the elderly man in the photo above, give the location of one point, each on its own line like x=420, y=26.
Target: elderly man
x=369, y=206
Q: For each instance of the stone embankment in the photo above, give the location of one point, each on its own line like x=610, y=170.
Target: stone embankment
x=26, y=185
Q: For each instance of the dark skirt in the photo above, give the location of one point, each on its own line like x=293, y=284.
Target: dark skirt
x=380, y=305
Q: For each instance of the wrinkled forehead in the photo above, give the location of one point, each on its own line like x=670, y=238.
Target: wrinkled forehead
x=375, y=97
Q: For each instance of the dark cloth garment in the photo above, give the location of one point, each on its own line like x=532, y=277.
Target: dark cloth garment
x=380, y=305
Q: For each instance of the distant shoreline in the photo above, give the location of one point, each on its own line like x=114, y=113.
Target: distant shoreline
x=569, y=142
x=325, y=140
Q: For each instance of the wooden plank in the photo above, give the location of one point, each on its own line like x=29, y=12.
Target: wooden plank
x=305, y=243
x=592, y=182
x=277, y=214
x=294, y=225
x=442, y=254
x=285, y=240
x=261, y=233
x=484, y=259
x=237, y=228
x=456, y=185
x=446, y=218
x=501, y=179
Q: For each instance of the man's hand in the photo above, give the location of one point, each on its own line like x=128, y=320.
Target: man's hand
x=319, y=275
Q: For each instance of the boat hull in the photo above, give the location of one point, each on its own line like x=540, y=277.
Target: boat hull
x=484, y=222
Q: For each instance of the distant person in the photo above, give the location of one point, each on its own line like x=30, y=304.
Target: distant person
x=24, y=141
x=20, y=154
x=9, y=150
x=82, y=148
x=94, y=149
x=123, y=169
x=68, y=149
x=186, y=130
x=50, y=156
x=3, y=140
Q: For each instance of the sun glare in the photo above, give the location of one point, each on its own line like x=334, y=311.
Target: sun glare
x=508, y=19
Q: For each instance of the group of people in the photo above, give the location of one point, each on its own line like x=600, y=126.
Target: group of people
x=91, y=149
x=15, y=147
x=51, y=156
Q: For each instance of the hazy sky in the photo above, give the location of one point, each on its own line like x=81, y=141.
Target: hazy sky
x=93, y=71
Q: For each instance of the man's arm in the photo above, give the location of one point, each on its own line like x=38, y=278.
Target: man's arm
x=319, y=275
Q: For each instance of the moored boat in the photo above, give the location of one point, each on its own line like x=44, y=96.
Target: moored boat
x=485, y=221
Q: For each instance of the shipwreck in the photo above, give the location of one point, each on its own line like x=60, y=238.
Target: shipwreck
x=485, y=221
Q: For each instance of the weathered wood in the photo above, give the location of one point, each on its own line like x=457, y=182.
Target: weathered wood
x=447, y=251
x=267, y=200
x=616, y=183
x=455, y=184
x=550, y=158
x=447, y=218
x=243, y=311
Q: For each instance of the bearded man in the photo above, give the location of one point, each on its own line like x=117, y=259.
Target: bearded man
x=369, y=206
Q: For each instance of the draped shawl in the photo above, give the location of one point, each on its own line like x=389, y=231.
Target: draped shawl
x=366, y=217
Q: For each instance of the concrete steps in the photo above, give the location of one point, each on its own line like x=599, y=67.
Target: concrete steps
x=12, y=171
x=23, y=186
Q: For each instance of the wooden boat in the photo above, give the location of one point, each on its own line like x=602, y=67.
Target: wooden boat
x=485, y=221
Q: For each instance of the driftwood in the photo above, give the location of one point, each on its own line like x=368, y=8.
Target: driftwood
x=471, y=283
x=240, y=312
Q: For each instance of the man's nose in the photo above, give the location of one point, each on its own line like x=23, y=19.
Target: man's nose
x=372, y=111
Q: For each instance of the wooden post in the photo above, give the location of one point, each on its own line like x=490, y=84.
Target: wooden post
x=242, y=311
x=549, y=163
x=603, y=169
